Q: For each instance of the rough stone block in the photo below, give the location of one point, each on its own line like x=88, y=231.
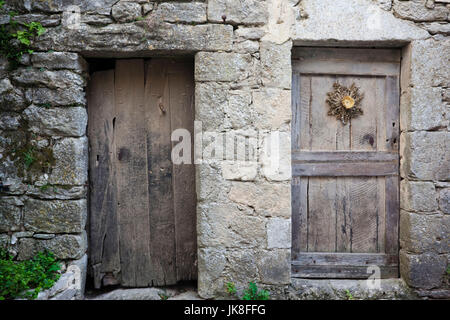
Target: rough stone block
x=63, y=246
x=275, y=156
x=425, y=155
x=423, y=109
x=211, y=264
x=71, y=167
x=249, y=33
x=209, y=94
x=4, y=240
x=237, y=110
x=240, y=170
x=417, y=11
x=273, y=107
x=10, y=213
x=11, y=98
x=141, y=36
x=437, y=27
x=353, y=21
x=429, y=63
x=9, y=121
x=247, y=46
x=51, y=79
x=57, y=192
x=222, y=66
x=273, y=200
x=276, y=64
x=102, y=6
x=424, y=233
x=59, y=97
x=444, y=200
x=241, y=267
x=422, y=271
x=55, y=216
x=238, y=12
x=188, y=12
x=126, y=11
x=275, y=266
x=226, y=226
x=65, y=121
x=385, y=4
x=210, y=184
x=278, y=233
x=59, y=60
x=418, y=196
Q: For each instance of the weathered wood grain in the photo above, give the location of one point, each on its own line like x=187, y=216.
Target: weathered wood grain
x=131, y=164
x=103, y=227
x=160, y=173
x=182, y=117
x=349, y=172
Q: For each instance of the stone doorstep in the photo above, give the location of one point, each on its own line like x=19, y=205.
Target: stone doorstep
x=159, y=293
x=331, y=289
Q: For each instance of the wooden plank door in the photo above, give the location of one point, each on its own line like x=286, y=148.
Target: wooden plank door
x=345, y=193
x=142, y=206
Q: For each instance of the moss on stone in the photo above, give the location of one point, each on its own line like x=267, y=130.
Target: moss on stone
x=29, y=159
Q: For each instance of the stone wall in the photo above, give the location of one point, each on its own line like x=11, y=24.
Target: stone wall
x=243, y=82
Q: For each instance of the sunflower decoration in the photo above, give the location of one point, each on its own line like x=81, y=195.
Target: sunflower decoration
x=344, y=102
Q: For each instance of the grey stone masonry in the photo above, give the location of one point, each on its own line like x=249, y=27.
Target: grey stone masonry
x=242, y=51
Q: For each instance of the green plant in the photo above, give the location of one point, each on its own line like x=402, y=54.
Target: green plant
x=231, y=288
x=252, y=293
x=28, y=157
x=163, y=296
x=15, y=38
x=25, y=279
x=349, y=295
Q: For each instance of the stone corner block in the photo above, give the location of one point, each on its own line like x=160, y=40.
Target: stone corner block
x=424, y=233
x=55, y=216
x=422, y=271
x=418, y=196
x=222, y=66
x=274, y=266
x=278, y=233
x=59, y=60
x=66, y=121
x=425, y=155
x=276, y=64
x=63, y=246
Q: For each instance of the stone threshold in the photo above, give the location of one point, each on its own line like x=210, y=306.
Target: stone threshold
x=343, y=289
x=181, y=292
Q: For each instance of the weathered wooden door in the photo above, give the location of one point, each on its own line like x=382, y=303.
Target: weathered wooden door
x=345, y=194
x=142, y=207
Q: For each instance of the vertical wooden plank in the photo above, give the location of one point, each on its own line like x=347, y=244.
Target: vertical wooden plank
x=321, y=191
x=304, y=120
x=343, y=214
x=299, y=215
x=103, y=227
x=392, y=113
x=392, y=214
x=392, y=183
x=131, y=164
x=364, y=127
x=296, y=112
x=322, y=214
x=181, y=83
x=160, y=187
x=381, y=138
